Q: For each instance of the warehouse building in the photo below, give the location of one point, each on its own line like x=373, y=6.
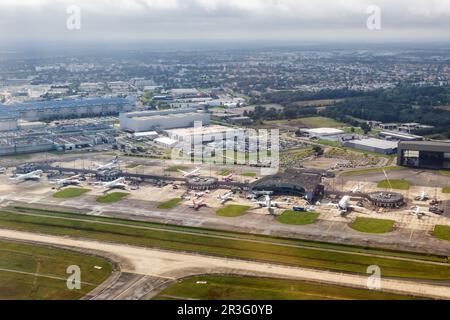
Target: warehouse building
x=373, y=145
x=424, y=154
x=162, y=120
x=8, y=120
x=322, y=133
x=399, y=136
x=68, y=108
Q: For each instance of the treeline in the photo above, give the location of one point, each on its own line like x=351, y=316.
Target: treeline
x=402, y=104
x=289, y=97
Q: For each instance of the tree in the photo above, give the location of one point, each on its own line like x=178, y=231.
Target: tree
x=318, y=150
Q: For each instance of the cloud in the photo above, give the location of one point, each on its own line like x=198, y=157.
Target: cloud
x=220, y=18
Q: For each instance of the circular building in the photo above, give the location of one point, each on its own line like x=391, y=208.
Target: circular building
x=201, y=183
x=386, y=199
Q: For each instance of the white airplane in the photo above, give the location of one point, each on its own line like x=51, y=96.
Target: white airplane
x=417, y=211
x=191, y=173
x=34, y=175
x=196, y=205
x=423, y=196
x=228, y=178
x=226, y=197
x=112, y=165
x=269, y=204
x=357, y=188
x=71, y=181
x=343, y=204
x=116, y=184
x=199, y=194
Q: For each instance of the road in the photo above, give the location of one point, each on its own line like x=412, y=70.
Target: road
x=159, y=264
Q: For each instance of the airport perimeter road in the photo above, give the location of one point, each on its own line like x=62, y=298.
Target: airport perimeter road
x=174, y=265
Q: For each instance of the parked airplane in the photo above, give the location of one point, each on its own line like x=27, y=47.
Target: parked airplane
x=71, y=181
x=417, y=211
x=34, y=175
x=269, y=204
x=228, y=178
x=196, y=205
x=226, y=197
x=423, y=196
x=112, y=165
x=191, y=173
x=357, y=188
x=343, y=204
x=116, y=184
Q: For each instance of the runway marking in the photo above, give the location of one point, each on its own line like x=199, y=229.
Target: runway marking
x=410, y=237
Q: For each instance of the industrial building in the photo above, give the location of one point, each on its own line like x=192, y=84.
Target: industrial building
x=8, y=120
x=304, y=183
x=68, y=108
x=162, y=120
x=322, y=133
x=399, y=136
x=424, y=154
x=373, y=145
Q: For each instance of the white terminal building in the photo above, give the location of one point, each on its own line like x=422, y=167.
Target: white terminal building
x=166, y=119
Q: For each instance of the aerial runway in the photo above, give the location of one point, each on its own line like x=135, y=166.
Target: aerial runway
x=150, y=270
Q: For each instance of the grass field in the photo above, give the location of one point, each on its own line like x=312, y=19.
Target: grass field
x=442, y=232
x=35, y=272
x=319, y=122
x=133, y=165
x=297, y=218
x=250, y=288
x=112, y=197
x=395, y=184
x=70, y=193
x=369, y=225
x=328, y=143
x=370, y=170
x=232, y=210
x=249, y=174
x=176, y=168
x=342, y=258
x=225, y=172
x=446, y=190
x=170, y=204
x=445, y=172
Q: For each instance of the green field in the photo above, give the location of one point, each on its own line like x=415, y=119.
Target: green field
x=442, y=232
x=319, y=122
x=371, y=170
x=328, y=143
x=342, y=258
x=445, y=172
x=176, y=168
x=250, y=288
x=232, y=210
x=225, y=172
x=249, y=174
x=70, y=193
x=112, y=197
x=446, y=190
x=297, y=218
x=395, y=184
x=133, y=165
x=170, y=204
x=369, y=225
x=30, y=272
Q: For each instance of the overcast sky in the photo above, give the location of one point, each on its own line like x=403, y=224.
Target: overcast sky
x=328, y=20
